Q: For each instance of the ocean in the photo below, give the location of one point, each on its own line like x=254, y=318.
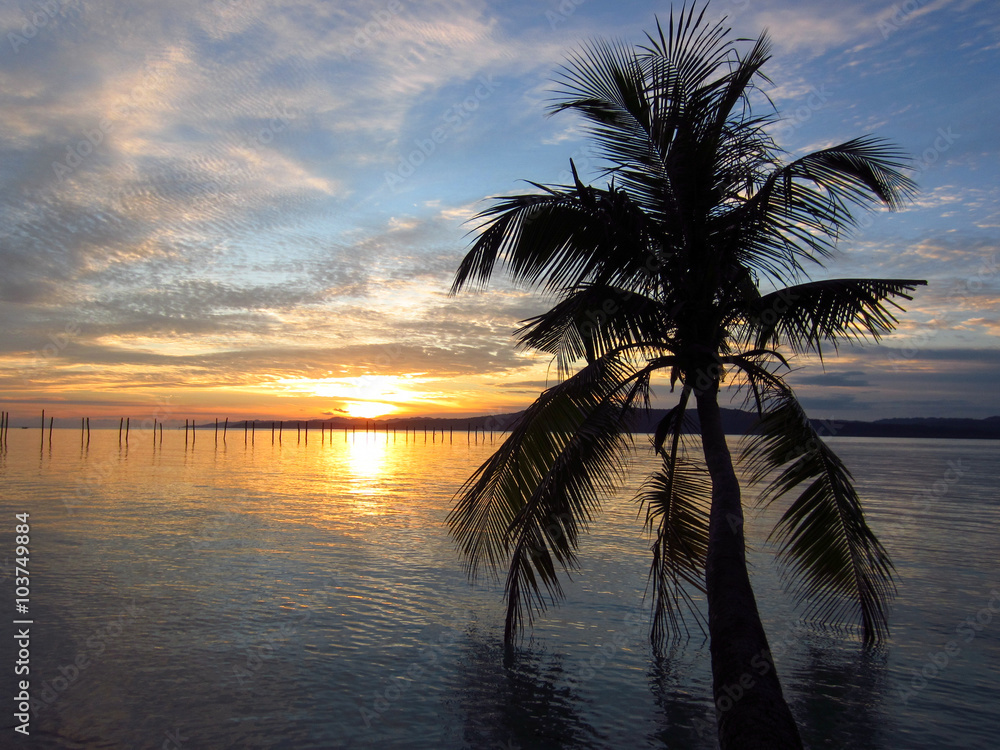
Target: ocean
x=307, y=595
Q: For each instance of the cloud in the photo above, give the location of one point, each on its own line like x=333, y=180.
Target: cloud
x=194, y=193
x=847, y=379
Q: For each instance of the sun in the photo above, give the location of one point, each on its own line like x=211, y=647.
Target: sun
x=367, y=409
x=362, y=396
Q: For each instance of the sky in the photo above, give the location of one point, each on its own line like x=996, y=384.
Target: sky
x=255, y=209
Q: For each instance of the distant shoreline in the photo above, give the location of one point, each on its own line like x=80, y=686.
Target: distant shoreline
x=735, y=422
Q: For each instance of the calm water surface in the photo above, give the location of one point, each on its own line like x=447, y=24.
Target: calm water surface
x=308, y=596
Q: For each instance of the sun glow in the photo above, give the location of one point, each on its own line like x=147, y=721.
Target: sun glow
x=364, y=396
x=367, y=409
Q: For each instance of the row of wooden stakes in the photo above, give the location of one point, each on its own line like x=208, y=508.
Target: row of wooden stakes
x=249, y=430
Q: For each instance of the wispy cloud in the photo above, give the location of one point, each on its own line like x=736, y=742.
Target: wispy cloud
x=194, y=196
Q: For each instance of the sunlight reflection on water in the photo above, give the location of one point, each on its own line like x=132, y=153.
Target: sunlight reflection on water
x=307, y=595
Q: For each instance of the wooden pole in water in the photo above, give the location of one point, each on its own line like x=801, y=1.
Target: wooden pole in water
x=161, y=432
x=272, y=432
x=185, y=433
x=88, y=430
x=121, y=424
x=42, y=443
x=307, y=432
x=81, y=430
x=194, y=433
x=253, y=432
x=128, y=420
x=281, y=426
x=154, y=432
x=225, y=428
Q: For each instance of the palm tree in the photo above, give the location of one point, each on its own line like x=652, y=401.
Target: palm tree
x=678, y=268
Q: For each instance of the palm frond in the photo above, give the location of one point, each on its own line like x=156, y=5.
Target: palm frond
x=677, y=498
x=592, y=320
x=531, y=499
x=561, y=238
x=805, y=316
x=844, y=571
x=798, y=211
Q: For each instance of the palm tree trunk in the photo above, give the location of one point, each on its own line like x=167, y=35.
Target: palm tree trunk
x=750, y=708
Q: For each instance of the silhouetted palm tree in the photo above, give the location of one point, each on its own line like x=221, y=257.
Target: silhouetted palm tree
x=662, y=272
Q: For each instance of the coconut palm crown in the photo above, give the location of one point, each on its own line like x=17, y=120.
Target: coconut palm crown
x=693, y=264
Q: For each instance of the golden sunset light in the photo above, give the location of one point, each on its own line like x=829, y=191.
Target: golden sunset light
x=466, y=374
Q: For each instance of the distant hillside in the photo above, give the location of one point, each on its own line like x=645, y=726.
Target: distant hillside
x=735, y=421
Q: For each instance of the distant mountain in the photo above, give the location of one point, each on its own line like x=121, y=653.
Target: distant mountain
x=735, y=422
